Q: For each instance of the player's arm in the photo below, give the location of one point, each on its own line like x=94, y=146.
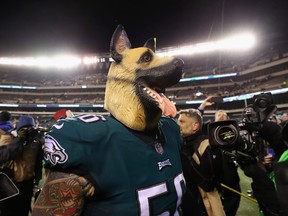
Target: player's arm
x=62, y=194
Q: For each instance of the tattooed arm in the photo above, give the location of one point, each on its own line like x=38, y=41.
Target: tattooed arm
x=62, y=194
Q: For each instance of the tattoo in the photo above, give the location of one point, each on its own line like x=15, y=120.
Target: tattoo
x=62, y=194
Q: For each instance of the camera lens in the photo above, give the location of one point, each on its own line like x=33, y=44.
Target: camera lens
x=262, y=102
x=226, y=135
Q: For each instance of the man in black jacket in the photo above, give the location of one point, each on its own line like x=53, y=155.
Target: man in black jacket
x=201, y=166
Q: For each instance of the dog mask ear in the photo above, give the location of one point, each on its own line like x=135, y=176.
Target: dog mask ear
x=119, y=43
x=151, y=44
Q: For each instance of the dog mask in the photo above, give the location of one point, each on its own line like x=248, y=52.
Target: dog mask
x=136, y=81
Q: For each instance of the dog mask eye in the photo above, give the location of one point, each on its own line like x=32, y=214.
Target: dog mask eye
x=146, y=57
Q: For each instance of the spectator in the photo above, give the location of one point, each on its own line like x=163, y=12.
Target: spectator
x=7, y=147
x=5, y=122
x=221, y=115
x=25, y=163
x=272, y=133
x=284, y=119
x=268, y=137
x=230, y=177
x=201, y=166
x=285, y=133
x=62, y=114
x=275, y=119
x=207, y=102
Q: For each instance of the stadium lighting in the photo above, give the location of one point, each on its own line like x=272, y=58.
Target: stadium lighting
x=234, y=43
x=66, y=61
x=198, y=94
x=90, y=60
x=238, y=42
x=60, y=61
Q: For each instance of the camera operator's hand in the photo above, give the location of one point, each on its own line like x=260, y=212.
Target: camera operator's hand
x=268, y=159
x=28, y=134
x=23, y=134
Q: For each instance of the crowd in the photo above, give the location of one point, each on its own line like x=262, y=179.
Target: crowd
x=211, y=174
x=21, y=160
x=142, y=158
x=225, y=179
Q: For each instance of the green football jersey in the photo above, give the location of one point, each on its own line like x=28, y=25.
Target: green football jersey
x=131, y=177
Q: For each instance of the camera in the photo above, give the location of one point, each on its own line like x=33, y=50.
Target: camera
x=217, y=99
x=241, y=139
x=35, y=135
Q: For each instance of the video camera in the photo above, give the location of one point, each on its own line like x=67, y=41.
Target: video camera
x=241, y=139
x=35, y=134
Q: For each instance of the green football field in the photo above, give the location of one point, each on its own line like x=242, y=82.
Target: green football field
x=247, y=207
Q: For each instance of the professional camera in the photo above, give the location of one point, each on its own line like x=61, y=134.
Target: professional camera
x=35, y=135
x=241, y=139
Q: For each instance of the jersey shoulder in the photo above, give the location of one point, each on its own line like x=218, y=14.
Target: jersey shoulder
x=171, y=129
x=82, y=124
x=69, y=138
x=169, y=122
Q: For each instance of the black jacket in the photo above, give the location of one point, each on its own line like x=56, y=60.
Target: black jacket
x=208, y=172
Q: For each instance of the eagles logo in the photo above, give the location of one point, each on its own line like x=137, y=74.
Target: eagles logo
x=53, y=151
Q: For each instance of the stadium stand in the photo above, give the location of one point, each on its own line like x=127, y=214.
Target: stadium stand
x=44, y=91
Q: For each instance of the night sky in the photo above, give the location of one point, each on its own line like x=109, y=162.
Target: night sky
x=86, y=26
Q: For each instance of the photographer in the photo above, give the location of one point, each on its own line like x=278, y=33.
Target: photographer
x=230, y=177
x=201, y=167
x=24, y=161
x=248, y=142
x=263, y=187
x=230, y=199
x=272, y=133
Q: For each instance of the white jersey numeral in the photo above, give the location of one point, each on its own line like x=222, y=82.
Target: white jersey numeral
x=88, y=118
x=147, y=194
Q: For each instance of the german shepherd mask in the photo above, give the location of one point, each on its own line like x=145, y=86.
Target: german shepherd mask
x=136, y=81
